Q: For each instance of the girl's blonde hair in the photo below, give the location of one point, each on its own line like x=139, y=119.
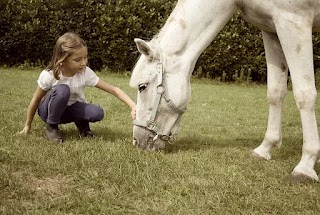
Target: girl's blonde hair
x=64, y=47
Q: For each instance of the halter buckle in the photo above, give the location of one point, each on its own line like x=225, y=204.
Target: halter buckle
x=151, y=125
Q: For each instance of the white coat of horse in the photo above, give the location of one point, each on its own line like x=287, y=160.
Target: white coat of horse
x=163, y=71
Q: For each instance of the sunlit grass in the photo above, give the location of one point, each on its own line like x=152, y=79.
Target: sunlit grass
x=207, y=171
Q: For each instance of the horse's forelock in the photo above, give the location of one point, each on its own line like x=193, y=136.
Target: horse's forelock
x=138, y=75
x=134, y=75
x=141, y=75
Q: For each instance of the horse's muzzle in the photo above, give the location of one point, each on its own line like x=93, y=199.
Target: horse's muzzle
x=145, y=139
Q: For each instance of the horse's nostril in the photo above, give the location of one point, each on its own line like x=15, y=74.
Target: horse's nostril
x=150, y=140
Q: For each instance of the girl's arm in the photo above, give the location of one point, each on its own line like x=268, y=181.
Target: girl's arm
x=119, y=94
x=34, y=103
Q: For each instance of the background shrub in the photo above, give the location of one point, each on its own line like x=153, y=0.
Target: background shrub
x=29, y=29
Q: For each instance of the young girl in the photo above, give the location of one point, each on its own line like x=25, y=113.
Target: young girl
x=59, y=96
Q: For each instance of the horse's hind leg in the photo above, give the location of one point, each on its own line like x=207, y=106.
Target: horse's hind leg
x=277, y=88
x=296, y=40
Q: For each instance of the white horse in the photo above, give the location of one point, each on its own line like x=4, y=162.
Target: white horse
x=163, y=71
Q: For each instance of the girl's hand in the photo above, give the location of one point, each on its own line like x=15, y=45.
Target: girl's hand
x=133, y=112
x=25, y=130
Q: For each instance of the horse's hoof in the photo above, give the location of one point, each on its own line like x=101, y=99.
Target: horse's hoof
x=260, y=156
x=300, y=178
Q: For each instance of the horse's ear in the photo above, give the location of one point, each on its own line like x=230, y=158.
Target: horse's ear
x=144, y=48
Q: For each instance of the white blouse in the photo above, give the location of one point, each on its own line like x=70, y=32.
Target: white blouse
x=76, y=83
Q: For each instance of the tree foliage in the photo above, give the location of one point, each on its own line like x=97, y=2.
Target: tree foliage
x=30, y=28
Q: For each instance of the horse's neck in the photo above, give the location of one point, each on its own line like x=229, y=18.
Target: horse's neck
x=193, y=25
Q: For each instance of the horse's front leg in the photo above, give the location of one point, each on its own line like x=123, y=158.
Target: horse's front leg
x=277, y=88
x=295, y=36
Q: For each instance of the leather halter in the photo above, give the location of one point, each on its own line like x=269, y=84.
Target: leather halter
x=151, y=124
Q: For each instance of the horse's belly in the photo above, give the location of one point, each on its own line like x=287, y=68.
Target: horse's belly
x=259, y=18
x=259, y=13
x=262, y=13
x=316, y=24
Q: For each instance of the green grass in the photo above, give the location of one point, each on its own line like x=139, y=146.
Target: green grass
x=207, y=171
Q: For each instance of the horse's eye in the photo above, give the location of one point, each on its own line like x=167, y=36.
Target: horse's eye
x=142, y=87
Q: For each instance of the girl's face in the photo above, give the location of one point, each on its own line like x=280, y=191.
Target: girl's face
x=76, y=62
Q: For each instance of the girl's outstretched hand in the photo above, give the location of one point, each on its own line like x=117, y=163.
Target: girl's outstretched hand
x=25, y=130
x=133, y=112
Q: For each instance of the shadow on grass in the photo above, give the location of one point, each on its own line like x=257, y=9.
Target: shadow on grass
x=291, y=146
x=110, y=134
x=193, y=144
x=101, y=133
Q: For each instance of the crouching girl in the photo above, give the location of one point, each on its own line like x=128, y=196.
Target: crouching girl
x=59, y=97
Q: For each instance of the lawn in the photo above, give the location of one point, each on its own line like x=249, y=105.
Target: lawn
x=208, y=170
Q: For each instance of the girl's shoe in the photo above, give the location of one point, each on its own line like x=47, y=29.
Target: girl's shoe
x=52, y=133
x=84, y=129
x=86, y=133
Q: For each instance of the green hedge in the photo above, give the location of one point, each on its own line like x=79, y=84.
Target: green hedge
x=29, y=29
x=108, y=26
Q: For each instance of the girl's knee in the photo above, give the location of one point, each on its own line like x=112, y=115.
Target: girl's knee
x=62, y=90
x=97, y=114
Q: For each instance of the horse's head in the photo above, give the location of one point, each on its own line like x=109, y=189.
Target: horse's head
x=163, y=93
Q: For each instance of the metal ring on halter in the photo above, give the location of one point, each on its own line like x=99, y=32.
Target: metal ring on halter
x=160, y=89
x=164, y=137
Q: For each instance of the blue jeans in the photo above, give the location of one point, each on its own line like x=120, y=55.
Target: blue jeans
x=54, y=109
